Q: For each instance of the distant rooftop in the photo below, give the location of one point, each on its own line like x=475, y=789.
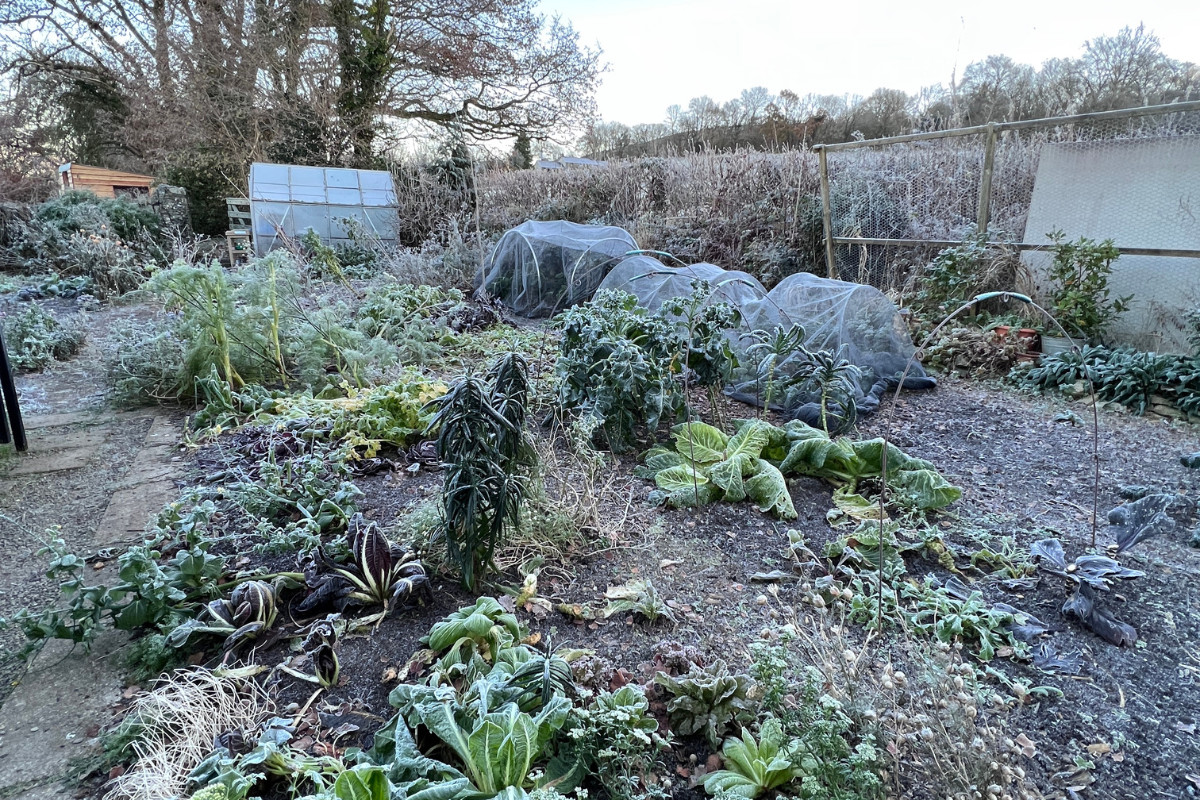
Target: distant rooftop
x=572, y=162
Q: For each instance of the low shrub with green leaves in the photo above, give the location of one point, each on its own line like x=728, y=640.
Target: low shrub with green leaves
x=355, y=258
x=360, y=420
x=619, y=737
x=837, y=759
x=262, y=325
x=952, y=277
x=150, y=592
x=114, y=242
x=1120, y=375
x=1080, y=296
x=35, y=338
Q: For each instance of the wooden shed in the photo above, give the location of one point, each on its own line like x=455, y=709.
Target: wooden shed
x=103, y=182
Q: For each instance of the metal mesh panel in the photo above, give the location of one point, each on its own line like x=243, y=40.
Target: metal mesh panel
x=1018, y=154
x=1133, y=177
x=918, y=190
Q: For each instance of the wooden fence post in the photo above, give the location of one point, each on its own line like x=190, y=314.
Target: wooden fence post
x=826, y=212
x=985, y=182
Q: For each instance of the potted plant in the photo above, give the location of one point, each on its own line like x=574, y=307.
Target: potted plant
x=1080, y=296
x=1013, y=325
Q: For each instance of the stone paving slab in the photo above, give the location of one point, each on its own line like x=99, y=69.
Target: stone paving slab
x=146, y=488
x=53, y=790
x=40, y=421
x=131, y=510
x=44, y=722
x=84, y=439
x=57, y=452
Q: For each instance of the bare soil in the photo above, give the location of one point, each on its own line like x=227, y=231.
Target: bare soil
x=1023, y=473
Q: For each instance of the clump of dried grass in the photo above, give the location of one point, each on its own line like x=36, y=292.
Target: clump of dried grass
x=179, y=720
x=580, y=482
x=746, y=209
x=941, y=727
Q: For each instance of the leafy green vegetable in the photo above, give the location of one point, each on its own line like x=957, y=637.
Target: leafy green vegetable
x=706, y=465
x=625, y=366
x=1121, y=375
x=639, y=597
x=870, y=545
x=834, y=380
x=924, y=489
x=249, y=611
x=619, y=364
x=149, y=593
x=707, y=700
x=755, y=766
x=392, y=413
x=494, y=742
x=362, y=782
x=380, y=573
x=496, y=747
x=484, y=628
x=950, y=618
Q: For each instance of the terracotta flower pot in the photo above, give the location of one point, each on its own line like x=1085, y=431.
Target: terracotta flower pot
x=1026, y=336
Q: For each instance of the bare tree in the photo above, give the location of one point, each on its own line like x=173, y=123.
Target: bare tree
x=1128, y=69
x=883, y=113
x=998, y=89
x=216, y=74
x=754, y=102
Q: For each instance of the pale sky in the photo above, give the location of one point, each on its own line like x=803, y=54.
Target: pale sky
x=668, y=51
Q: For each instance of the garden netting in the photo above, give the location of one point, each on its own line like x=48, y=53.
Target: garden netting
x=855, y=322
x=539, y=268
x=654, y=283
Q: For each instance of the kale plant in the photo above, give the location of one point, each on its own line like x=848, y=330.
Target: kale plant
x=486, y=458
x=619, y=364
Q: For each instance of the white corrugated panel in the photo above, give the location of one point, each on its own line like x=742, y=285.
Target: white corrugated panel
x=288, y=200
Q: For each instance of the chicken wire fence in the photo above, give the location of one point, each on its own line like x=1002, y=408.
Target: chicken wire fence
x=1134, y=176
